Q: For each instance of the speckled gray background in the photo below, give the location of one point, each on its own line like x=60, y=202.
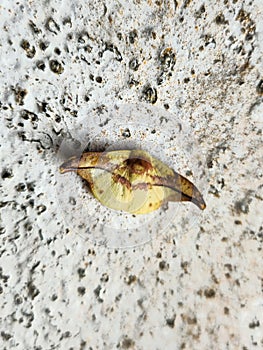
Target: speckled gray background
x=63, y=65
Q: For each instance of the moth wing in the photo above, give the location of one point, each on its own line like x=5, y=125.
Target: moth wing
x=108, y=191
x=148, y=200
x=182, y=188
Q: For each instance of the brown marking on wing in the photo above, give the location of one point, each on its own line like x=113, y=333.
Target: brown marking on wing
x=142, y=186
x=138, y=165
x=96, y=160
x=122, y=180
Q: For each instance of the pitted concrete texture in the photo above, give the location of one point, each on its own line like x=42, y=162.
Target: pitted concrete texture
x=66, y=69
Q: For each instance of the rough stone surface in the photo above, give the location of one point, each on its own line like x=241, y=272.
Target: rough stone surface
x=64, y=66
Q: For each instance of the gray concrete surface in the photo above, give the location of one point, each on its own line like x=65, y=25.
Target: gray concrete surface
x=180, y=78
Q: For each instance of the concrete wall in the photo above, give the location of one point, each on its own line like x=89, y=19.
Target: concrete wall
x=182, y=79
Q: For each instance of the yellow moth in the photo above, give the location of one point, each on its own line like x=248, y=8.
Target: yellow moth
x=132, y=180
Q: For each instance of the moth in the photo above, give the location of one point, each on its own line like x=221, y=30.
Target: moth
x=132, y=180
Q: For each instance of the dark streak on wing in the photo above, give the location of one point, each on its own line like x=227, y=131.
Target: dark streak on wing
x=171, y=182
x=64, y=170
x=168, y=181
x=185, y=197
x=93, y=167
x=141, y=186
x=176, y=190
x=122, y=180
x=109, y=167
